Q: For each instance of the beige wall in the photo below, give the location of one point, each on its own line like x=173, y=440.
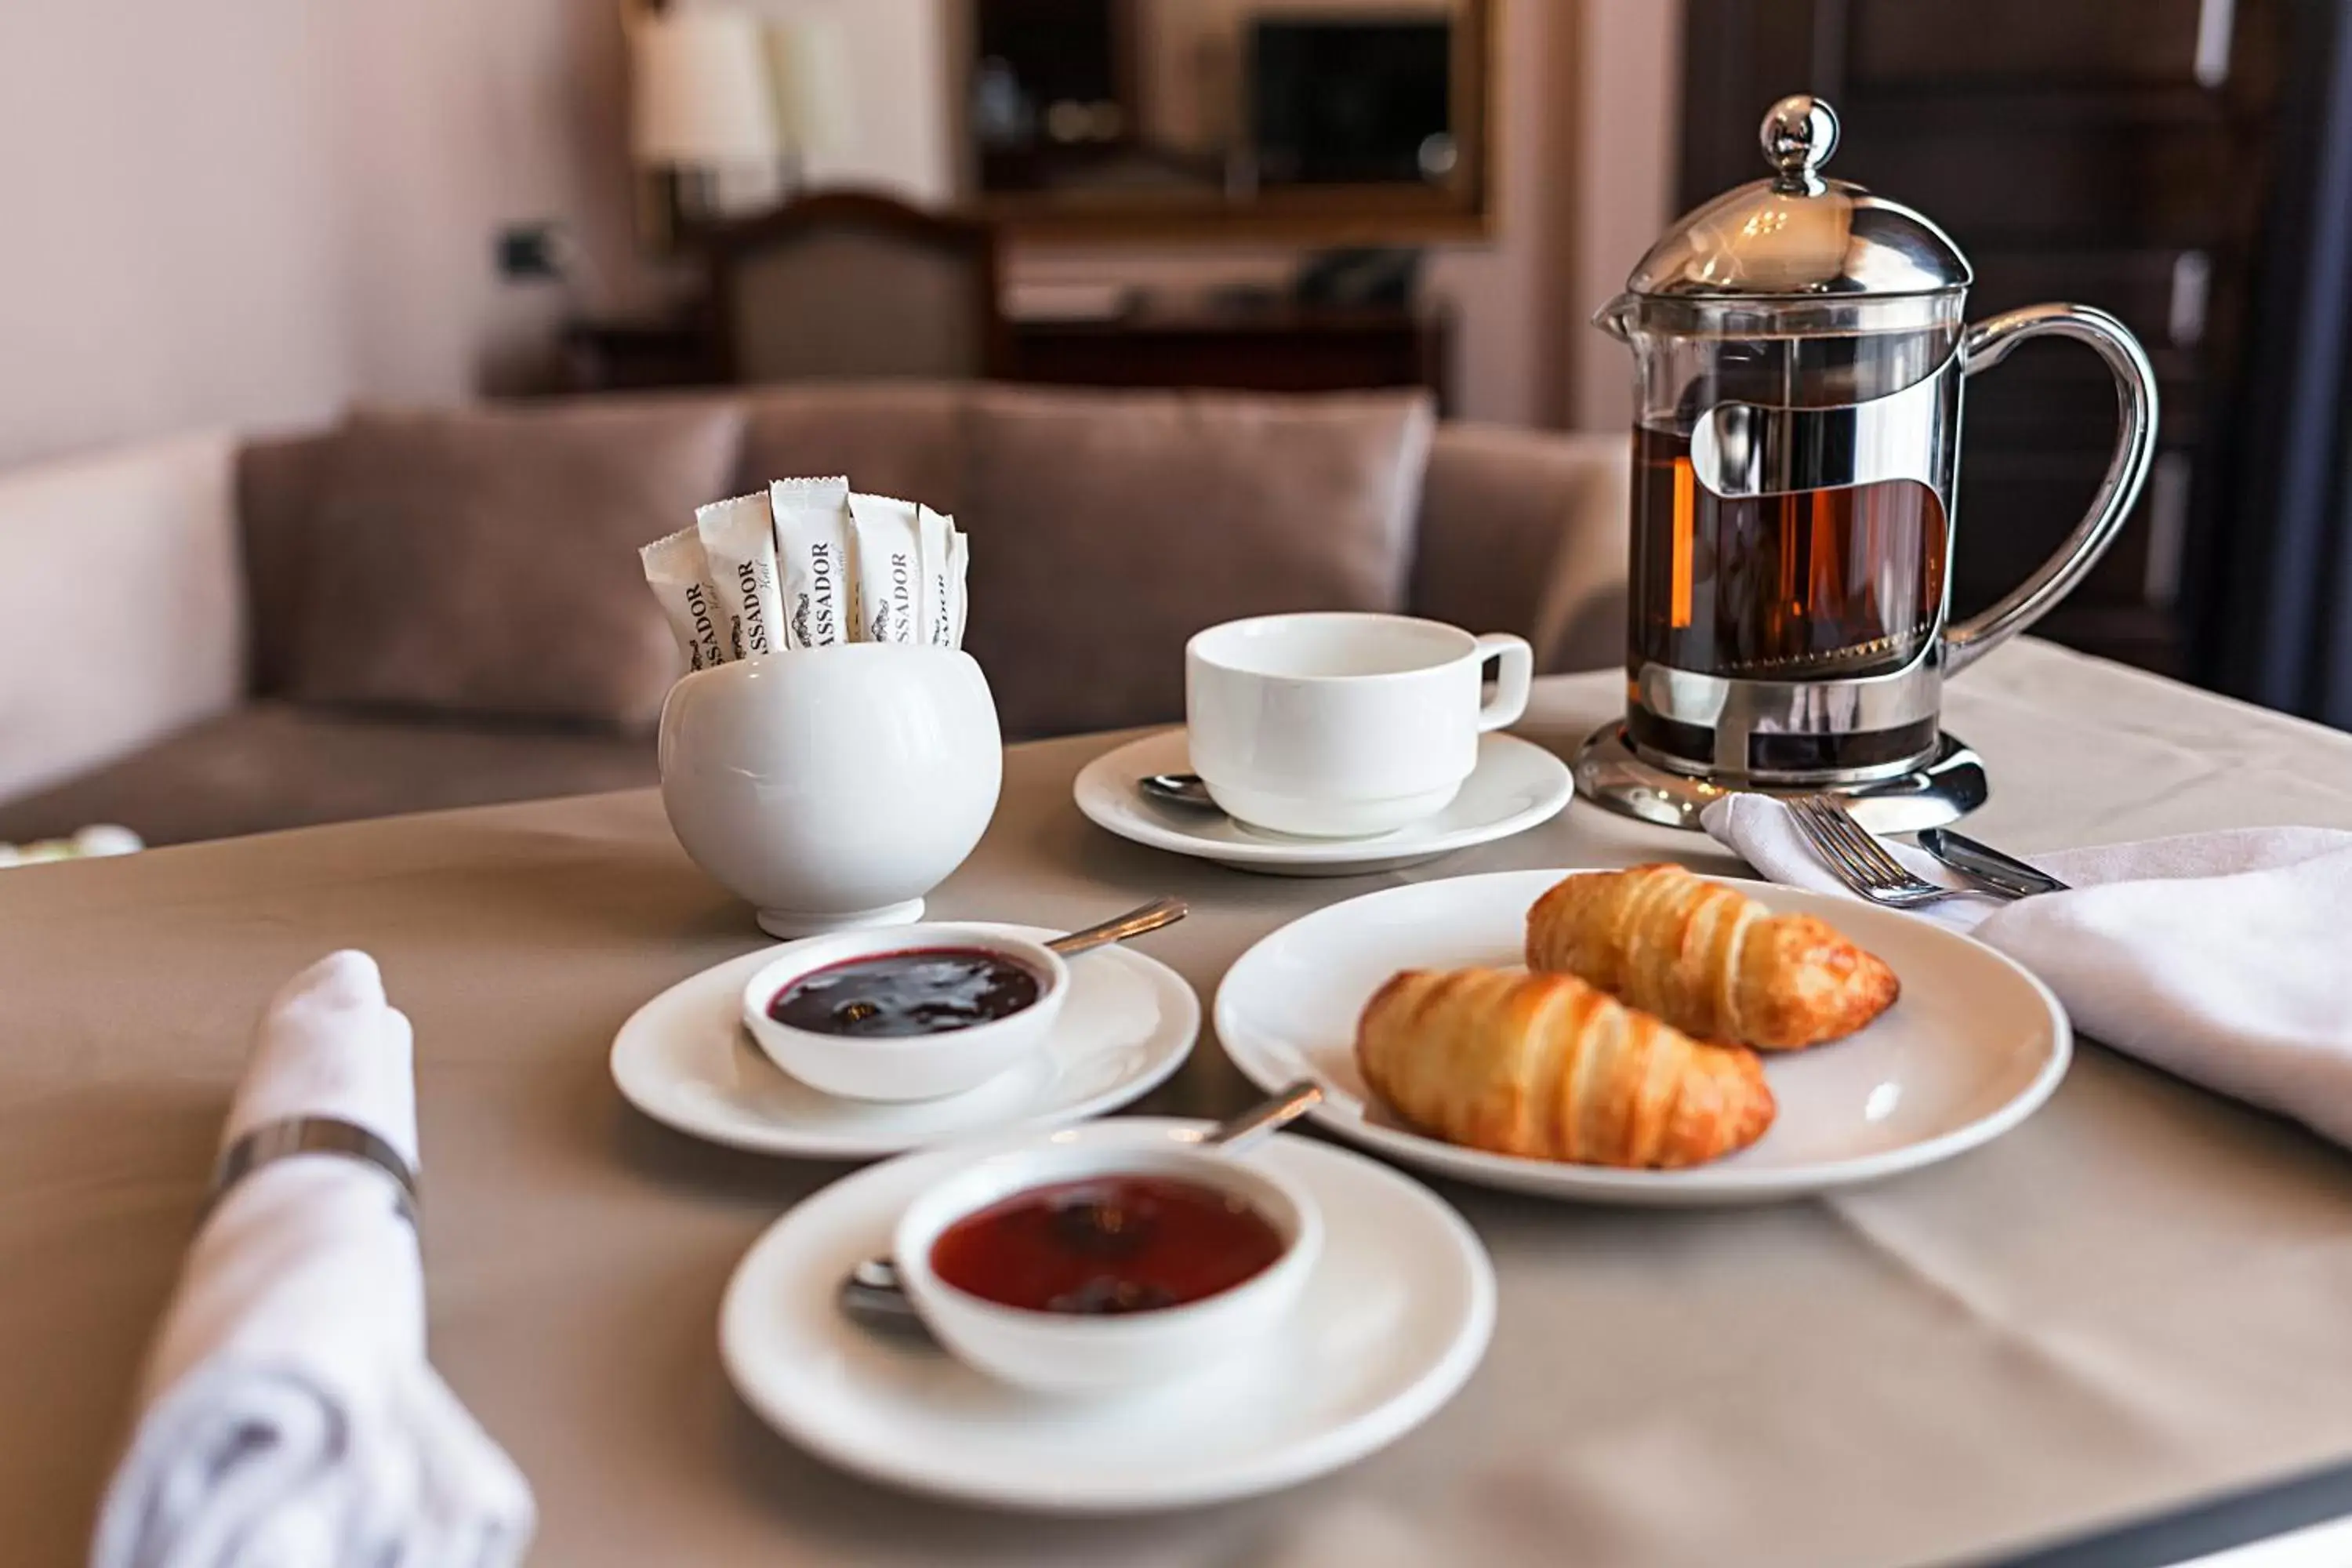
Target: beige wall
x=1629, y=92
x=248, y=212
x=140, y=289
x=251, y=210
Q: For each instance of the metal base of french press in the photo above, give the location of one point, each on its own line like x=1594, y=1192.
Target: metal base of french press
x=1944, y=789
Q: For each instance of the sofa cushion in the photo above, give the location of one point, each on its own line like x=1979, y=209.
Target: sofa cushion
x=1106, y=528
x=903, y=438
x=484, y=562
x=272, y=764
x=281, y=481
x=121, y=611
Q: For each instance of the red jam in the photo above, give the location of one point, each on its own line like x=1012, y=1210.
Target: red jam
x=927, y=991
x=1108, y=1245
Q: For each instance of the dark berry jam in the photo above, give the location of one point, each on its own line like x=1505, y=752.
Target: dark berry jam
x=929, y=991
x=1108, y=1245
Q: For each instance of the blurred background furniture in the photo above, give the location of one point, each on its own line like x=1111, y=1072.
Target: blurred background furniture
x=173, y=705
x=854, y=283
x=2115, y=154
x=1172, y=119
x=726, y=107
x=1275, y=347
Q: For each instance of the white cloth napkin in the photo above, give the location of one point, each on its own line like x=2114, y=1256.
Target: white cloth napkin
x=2224, y=958
x=288, y=1416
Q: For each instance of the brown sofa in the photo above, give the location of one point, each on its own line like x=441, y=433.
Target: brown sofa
x=155, y=676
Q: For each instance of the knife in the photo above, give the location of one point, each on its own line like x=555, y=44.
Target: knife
x=2003, y=873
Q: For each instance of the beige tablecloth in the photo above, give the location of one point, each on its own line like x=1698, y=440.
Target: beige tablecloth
x=2141, y=1297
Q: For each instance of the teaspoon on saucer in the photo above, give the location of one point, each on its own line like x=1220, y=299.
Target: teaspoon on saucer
x=870, y=1295
x=1177, y=789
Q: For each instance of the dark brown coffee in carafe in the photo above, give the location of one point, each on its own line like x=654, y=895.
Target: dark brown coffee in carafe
x=1782, y=587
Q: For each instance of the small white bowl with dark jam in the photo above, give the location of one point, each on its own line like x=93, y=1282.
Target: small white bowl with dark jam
x=913, y=1012
x=1095, y=1269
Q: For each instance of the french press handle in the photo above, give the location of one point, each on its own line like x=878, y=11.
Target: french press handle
x=1987, y=344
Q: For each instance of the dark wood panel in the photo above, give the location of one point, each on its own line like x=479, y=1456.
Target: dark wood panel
x=2014, y=510
x=2004, y=180
x=2157, y=292
x=2075, y=150
x=2006, y=41
x=2060, y=395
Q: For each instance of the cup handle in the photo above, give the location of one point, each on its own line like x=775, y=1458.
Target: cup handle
x=1515, y=674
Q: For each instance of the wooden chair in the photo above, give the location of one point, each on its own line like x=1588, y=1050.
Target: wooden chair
x=853, y=283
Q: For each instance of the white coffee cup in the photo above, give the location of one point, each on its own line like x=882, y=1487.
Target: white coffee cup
x=1339, y=724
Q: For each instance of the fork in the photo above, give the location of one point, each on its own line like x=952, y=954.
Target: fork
x=1859, y=860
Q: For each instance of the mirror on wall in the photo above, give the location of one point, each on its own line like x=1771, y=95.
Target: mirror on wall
x=1324, y=120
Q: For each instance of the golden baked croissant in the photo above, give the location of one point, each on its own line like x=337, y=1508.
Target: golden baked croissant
x=1548, y=1067
x=1708, y=959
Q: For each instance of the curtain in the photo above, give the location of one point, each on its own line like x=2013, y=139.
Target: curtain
x=2273, y=613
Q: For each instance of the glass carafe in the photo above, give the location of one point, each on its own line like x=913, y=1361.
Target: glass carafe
x=1800, y=350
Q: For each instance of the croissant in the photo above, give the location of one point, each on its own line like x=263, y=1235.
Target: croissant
x=1708, y=959
x=1548, y=1067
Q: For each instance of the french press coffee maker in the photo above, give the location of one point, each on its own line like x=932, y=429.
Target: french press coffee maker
x=1800, y=350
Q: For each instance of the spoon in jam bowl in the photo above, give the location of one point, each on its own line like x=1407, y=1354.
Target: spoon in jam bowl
x=871, y=1293
x=1119, y=928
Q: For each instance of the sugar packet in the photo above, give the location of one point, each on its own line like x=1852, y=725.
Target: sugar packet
x=811, y=524
x=935, y=555
x=959, y=567
x=739, y=545
x=678, y=574
x=888, y=550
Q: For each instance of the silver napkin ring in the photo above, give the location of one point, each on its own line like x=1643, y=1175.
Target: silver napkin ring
x=291, y=1135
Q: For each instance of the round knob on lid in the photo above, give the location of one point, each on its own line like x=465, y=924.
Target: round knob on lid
x=1798, y=135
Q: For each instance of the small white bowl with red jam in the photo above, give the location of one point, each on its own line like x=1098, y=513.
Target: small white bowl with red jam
x=913, y=1012
x=1095, y=1269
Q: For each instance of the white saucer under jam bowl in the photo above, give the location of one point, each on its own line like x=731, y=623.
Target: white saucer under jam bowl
x=1395, y=1315
x=1073, y=1353
x=927, y=1066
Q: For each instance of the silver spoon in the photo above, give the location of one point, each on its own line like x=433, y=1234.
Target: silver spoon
x=870, y=1295
x=1119, y=928
x=1982, y=863
x=1177, y=789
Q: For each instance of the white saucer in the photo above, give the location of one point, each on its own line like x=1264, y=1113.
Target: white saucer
x=1394, y=1318
x=1974, y=1045
x=684, y=1059
x=1517, y=785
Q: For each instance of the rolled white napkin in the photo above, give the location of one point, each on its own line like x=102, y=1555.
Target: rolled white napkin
x=2219, y=957
x=288, y=1415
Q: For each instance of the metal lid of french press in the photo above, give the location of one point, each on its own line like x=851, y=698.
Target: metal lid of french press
x=1799, y=235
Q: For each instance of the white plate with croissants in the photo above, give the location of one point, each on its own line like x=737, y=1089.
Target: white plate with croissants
x=1646, y=1036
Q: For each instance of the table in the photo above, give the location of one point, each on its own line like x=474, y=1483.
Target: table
x=2138, y=1299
